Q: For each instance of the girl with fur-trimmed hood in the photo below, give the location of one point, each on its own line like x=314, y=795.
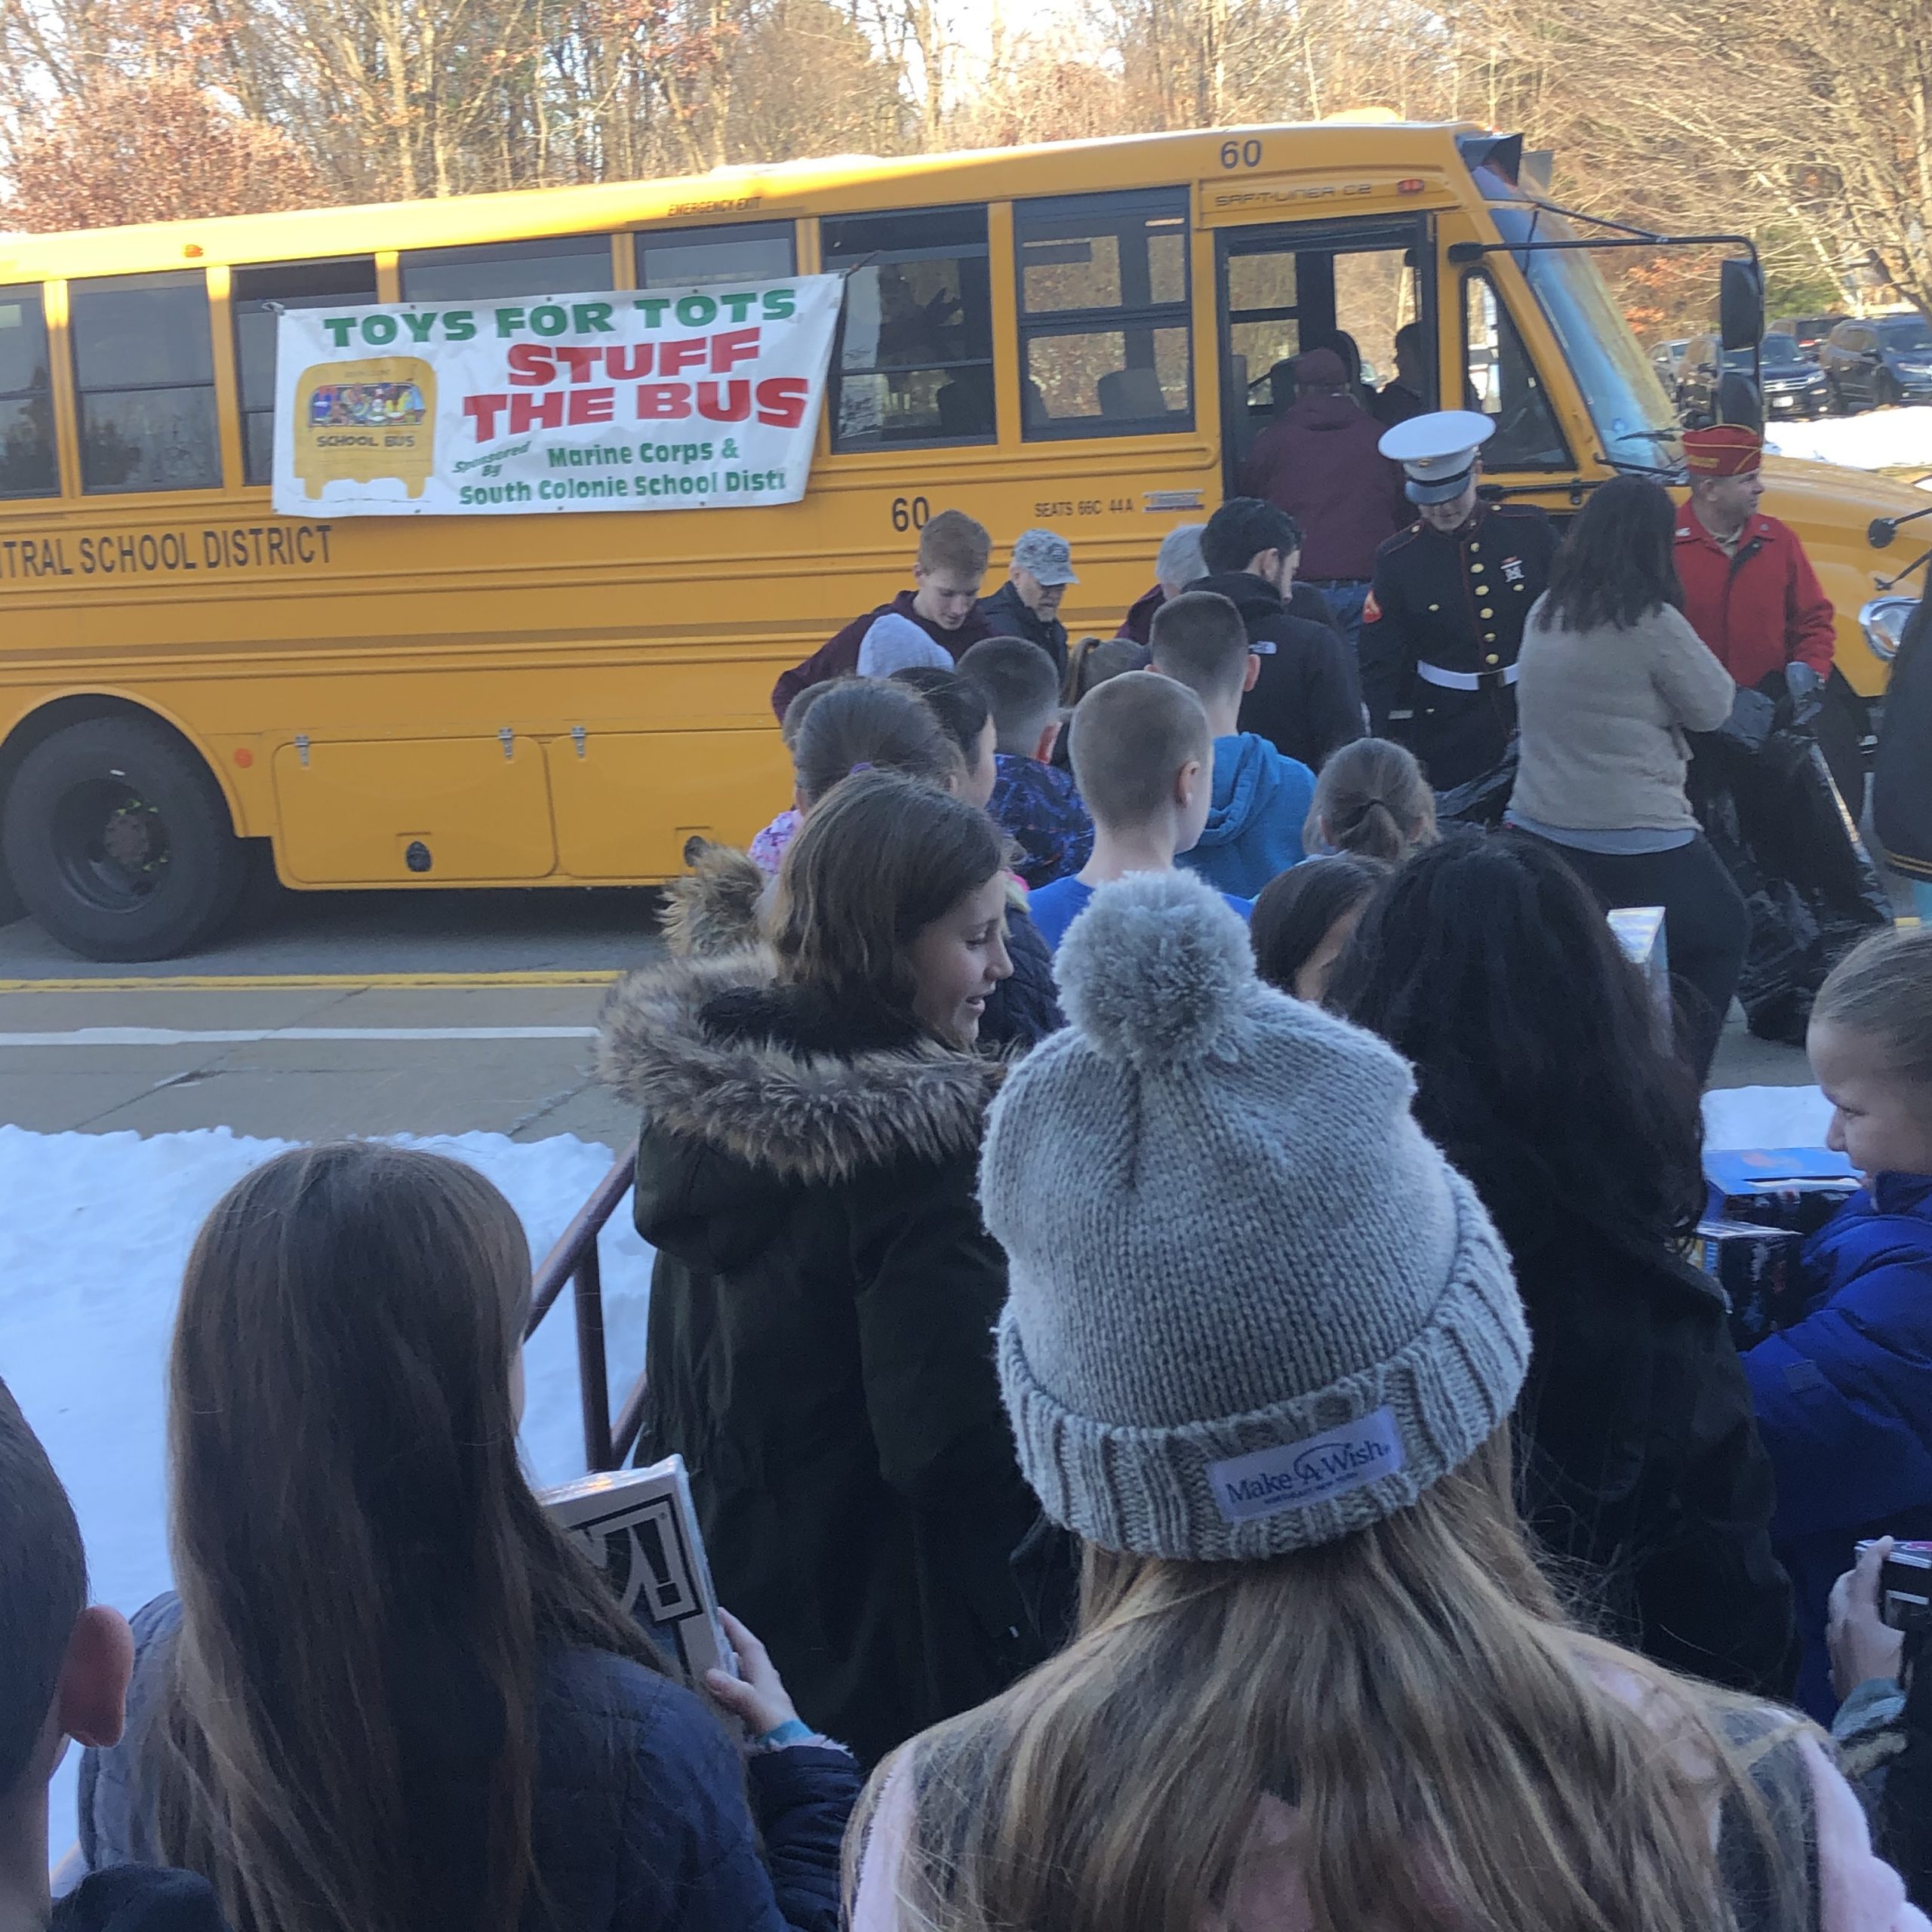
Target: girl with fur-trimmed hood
x=822, y=1310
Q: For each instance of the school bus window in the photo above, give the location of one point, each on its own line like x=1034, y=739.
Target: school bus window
x=914, y=360
x=257, y=296
x=1104, y=326
x=558, y=265
x=144, y=367
x=1501, y=382
x=695, y=258
x=27, y=466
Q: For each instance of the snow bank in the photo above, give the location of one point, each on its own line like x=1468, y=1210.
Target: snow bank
x=1881, y=439
x=94, y=1232
x=1765, y=1117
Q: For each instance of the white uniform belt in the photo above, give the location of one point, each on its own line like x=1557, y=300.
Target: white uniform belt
x=1466, y=680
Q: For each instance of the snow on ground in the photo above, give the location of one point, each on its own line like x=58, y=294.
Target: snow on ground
x=94, y=1232
x=1880, y=439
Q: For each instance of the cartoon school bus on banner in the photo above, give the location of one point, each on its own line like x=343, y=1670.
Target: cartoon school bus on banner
x=361, y=421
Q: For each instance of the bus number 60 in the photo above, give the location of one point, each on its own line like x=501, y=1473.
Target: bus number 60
x=1241, y=154
x=910, y=512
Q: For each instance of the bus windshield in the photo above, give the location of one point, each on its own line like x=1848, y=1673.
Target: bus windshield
x=1630, y=411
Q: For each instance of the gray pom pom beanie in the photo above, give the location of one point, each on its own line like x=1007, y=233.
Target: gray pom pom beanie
x=1252, y=1307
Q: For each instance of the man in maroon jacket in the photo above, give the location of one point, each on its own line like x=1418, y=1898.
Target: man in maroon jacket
x=952, y=563
x=1751, y=594
x=1318, y=461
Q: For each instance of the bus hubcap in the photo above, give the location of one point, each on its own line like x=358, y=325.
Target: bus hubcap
x=111, y=844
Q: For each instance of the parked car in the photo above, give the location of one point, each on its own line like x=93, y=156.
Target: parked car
x=1809, y=331
x=1790, y=385
x=1667, y=358
x=1873, y=363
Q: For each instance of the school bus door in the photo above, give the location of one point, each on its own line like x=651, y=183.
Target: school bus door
x=1286, y=287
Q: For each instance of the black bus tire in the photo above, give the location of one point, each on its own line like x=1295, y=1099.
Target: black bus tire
x=119, y=842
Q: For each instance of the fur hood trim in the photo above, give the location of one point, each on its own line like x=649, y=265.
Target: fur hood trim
x=817, y=1118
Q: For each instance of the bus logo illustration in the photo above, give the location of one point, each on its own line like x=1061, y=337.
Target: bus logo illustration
x=359, y=421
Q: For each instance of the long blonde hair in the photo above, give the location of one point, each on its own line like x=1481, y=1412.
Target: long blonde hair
x=351, y=1529
x=1412, y=1690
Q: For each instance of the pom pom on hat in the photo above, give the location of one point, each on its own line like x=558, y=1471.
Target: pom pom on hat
x=1156, y=971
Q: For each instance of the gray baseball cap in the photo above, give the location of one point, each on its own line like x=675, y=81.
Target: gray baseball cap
x=1048, y=556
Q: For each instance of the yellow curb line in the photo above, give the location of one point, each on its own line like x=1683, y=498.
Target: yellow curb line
x=306, y=982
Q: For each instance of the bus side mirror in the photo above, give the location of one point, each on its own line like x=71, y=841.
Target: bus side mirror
x=1738, y=401
x=1740, y=303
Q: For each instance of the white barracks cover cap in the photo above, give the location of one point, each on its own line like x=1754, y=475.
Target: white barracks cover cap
x=1439, y=451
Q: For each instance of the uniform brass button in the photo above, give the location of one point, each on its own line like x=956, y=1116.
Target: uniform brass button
x=1488, y=613
x=1492, y=658
x=1489, y=637
x=1475, y=550
x=1476, y=569
x=1435, y=606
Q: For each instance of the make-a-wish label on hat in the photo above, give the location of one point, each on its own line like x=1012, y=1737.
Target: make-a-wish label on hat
x=1290, y=1476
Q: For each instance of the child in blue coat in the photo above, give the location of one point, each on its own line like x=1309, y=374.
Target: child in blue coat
x=1844, y=1395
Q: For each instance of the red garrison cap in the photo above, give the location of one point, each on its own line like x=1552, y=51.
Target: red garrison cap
x=1725, y=449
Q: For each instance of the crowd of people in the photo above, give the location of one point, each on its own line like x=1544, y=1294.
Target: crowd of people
x=1172, y=1288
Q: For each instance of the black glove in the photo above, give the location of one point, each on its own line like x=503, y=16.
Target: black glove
x=1749, y=725
x=1807, y=689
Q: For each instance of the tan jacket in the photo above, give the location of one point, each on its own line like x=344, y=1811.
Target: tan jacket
x=1603, y=714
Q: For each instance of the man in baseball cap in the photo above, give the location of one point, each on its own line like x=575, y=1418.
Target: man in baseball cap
x=1028, y=604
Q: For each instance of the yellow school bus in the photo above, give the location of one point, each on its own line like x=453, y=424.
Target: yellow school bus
x=187, y=678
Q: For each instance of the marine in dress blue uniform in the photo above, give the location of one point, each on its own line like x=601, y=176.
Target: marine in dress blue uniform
x=1444, y=617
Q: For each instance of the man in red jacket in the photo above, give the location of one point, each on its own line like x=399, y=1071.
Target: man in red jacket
x=953, y=551
x=1749, y=590
x=1319, y=460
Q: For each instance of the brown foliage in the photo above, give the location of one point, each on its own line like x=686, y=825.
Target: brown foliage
x=151, y=149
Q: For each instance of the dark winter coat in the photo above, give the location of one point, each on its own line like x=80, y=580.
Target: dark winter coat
x=1318, y=461
x=838, y=656
x=820, y=1342
x=1306, y=700
x=1901, y=774
x=1638, y=1459
x=139, y=1898
x=640, y=1821
x=1844, y=1400
x=1005, y=614
x=1304, y=601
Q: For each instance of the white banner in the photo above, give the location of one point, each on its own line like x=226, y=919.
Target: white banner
x=694, y=398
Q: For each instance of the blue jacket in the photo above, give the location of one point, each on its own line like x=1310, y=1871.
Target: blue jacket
x=1253, y=831
x=640, y=1823
x=1844, y=1398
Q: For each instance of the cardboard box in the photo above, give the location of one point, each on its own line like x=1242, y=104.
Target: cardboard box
x=639, y=1527
x=1758, y=1268
x=1799, y=1188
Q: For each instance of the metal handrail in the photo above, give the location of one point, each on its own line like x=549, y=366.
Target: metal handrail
x=574, y=1259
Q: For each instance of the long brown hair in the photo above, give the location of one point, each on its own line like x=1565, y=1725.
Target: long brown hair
x=348, y=1513
x=1451, y=1753
x=878, y=859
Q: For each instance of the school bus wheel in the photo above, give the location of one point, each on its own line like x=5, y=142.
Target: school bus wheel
x=118, y=840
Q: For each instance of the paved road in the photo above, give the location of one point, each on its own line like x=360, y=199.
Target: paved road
x=370, y=1013
x=365, y=1013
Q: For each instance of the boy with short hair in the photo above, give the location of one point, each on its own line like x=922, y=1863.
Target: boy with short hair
x=1260, y=798
x=1142, y=751
x=64, y=1667
x=950, y=566
x=1035, y=803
